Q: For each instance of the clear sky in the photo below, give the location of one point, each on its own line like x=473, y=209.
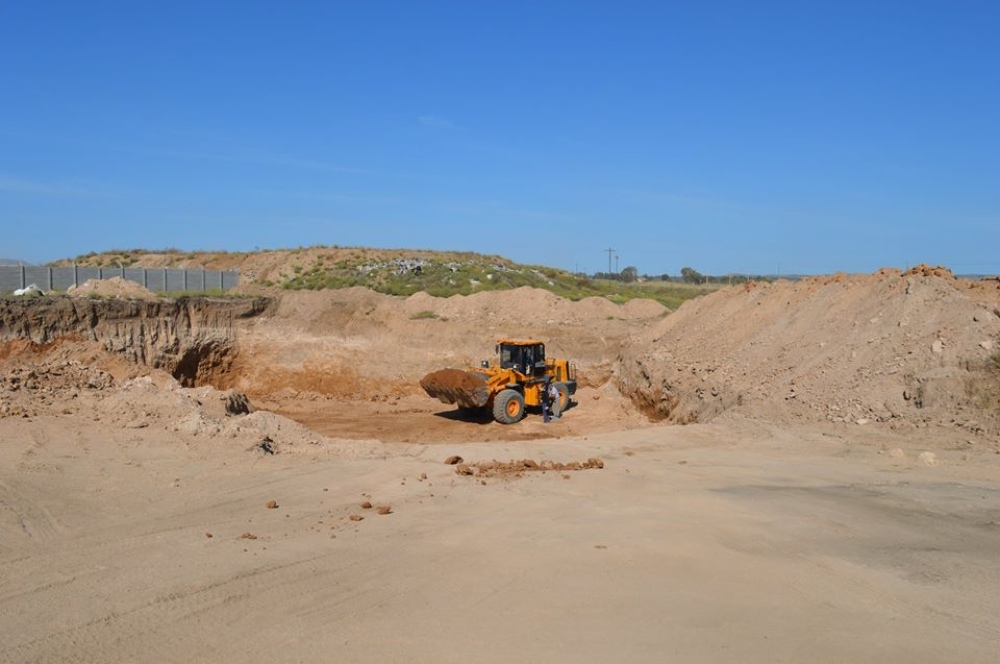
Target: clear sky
x=799, y=137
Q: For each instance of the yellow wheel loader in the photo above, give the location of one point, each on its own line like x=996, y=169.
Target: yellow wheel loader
x=506, y=388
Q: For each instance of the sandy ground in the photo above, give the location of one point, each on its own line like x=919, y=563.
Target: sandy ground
x=720, y=542
x=140, y=522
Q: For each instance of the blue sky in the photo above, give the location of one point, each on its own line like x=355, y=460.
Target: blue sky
x=800, y=137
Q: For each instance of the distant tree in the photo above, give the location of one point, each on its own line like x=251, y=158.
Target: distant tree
x=629, y=274
x=691, y=275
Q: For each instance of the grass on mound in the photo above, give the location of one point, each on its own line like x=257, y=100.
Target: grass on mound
x=447, y=278
x=401, y=272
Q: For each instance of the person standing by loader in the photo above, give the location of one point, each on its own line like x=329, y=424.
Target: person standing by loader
x=546, y=401
x=553, y=398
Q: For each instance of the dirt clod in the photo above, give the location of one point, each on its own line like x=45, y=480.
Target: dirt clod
x=237, y=403
x=266, y=446
x=927, y=459
x=272, y=504
x=517, y=467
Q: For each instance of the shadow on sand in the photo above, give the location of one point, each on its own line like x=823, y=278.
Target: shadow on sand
x=484, y=416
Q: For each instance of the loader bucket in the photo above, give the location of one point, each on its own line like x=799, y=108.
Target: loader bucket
x=454, y=386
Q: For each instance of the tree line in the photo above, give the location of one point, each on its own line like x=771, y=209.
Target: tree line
x=688, y=275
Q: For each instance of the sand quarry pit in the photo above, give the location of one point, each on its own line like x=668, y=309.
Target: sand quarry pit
x=798, y=471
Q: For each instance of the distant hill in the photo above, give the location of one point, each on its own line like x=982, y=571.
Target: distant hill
x=390, y=271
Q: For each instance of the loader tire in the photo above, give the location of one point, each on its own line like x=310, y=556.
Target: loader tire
x=508, y=407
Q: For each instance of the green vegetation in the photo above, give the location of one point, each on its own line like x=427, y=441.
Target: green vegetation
x=671, y=293
x=116, y=257
x=426, y=314
x=691, y=275
x=403, y=272
x=444, y=278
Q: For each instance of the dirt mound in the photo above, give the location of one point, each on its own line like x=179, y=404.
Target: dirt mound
x=529, y=305
x=907, y=350
x=114, y=287
x=640, y=308
x=454, y=379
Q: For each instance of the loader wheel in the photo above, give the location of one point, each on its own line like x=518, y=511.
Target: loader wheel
x=508, y=407
x=563, y=403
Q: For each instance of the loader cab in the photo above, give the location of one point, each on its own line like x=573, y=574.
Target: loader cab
x=526, y=357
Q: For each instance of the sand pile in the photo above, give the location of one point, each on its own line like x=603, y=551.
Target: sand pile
x=455, y=386
x=531, y=305
x=114, y=287
x=906, y=350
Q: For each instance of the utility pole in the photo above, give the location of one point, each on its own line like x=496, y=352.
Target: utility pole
x=610, y=252
x=616, y=262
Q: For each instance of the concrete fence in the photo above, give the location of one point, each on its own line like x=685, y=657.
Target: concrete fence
x=158, y=280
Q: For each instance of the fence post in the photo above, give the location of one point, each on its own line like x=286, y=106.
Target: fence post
x=76, y=275
x=48, y=286
x=22, y=276
x=145, y=278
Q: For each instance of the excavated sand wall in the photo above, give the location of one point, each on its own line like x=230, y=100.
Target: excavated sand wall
x=193, y=339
